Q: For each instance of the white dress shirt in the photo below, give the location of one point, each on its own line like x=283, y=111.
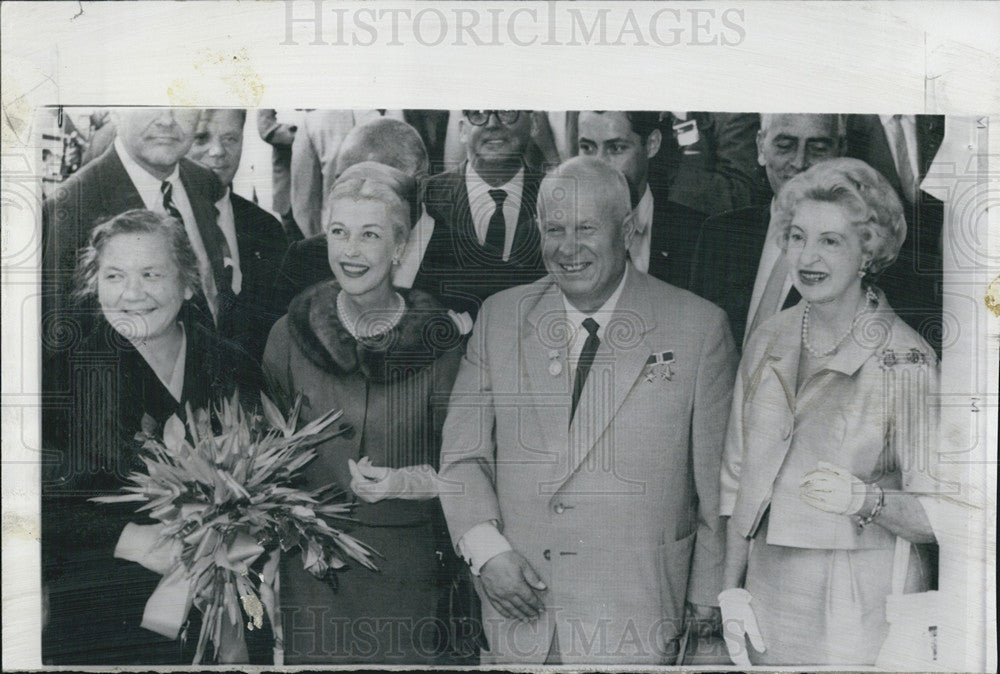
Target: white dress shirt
x=148, y=187
x=413, y=254
x=642, y=225
x=482, y=206
x=227, y=223
x=768, y=257
x=484, y=541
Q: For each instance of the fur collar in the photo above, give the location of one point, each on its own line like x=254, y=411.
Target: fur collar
x=425, y=332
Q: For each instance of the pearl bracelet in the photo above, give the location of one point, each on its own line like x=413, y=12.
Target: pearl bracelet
x=876, y=509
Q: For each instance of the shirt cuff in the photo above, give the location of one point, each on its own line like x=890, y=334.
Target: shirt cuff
x=480, y=544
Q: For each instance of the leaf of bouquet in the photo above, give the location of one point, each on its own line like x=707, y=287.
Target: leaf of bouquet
x=231, y=600
x=196, y=469
x=206, y=621
x=293, y=417
x=302, y=512
x=357, y=550
x=274, y=417
x=120, y=498
x=234, y=485
x=338, y=510
x=173, y=433
x=319, y=424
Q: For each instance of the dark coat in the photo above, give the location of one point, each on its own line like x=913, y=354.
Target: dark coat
x=673, y=240
x=455, y=268
x=393, y=393
x=94, y=402
x=305, y=264
x=262, y=245
x=724, y=266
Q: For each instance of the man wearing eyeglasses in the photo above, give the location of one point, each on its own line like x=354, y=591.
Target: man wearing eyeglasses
x=484, y=239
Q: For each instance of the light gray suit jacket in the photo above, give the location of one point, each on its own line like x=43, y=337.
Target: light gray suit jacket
x=618, y=511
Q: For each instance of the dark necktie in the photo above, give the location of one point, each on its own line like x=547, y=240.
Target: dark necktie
x=167, y=190
x=586, y=360
x=496, y=233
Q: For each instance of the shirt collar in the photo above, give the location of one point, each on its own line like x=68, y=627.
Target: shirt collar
x=141, y=178
x=479, y=188
x=642, y=214
x=575, y=316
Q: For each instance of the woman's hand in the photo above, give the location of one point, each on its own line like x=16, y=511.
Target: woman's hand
x=738, y=624
x=375, y=483
x=833, y=489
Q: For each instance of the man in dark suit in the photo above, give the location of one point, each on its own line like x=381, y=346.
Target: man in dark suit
x=664, y=232
x=384, y=140
x=144, y=168
x=738, y=264
x=255, y=235
x=901, y=148
x=484, y=238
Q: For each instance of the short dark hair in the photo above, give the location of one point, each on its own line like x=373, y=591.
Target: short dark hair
x=208, y=113
x=644, y=122
x=135, y=221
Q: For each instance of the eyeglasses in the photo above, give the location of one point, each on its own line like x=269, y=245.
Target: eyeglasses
x=482, y=117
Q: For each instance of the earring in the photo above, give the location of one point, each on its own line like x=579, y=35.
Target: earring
x=871, y=296
x=862, y=272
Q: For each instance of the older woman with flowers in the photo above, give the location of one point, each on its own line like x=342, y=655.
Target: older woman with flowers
x=144, y=361
x=388, y=358
x=827, y=443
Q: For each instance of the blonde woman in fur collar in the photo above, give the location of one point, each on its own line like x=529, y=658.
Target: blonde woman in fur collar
x=388, y=358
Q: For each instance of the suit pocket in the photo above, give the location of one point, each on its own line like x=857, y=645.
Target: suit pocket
x=673, y=562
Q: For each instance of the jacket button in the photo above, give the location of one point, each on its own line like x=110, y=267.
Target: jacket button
x=786, y=432
x=547, y=555
x=560, y=509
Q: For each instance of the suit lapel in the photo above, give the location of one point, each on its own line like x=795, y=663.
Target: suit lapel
x=619, y=362
x=206, y=216
x=118, y=192
x=526, y=244
x=783, y=354
x=543, y=346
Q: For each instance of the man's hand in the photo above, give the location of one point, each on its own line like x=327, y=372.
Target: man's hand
x=707, y=620
x=512, y=586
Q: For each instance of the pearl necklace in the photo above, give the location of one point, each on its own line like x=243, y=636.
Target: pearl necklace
x=350, y=318
x=836, y=345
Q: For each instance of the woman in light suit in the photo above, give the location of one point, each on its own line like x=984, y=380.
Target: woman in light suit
x=827, y=439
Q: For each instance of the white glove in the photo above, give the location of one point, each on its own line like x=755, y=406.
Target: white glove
x=833, y=489
x=738, y=623
x=375, y=483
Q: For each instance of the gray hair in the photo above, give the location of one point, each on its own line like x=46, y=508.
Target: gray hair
x=865, y=195
x=572, y=172
x=766, y=119
x=135, y=221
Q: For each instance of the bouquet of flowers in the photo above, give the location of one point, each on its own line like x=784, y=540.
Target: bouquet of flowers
x=223, y=502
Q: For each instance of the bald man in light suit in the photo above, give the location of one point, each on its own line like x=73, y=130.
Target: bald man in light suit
x=582, y=446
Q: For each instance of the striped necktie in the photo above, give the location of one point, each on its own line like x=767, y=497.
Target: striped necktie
x=167, y=190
